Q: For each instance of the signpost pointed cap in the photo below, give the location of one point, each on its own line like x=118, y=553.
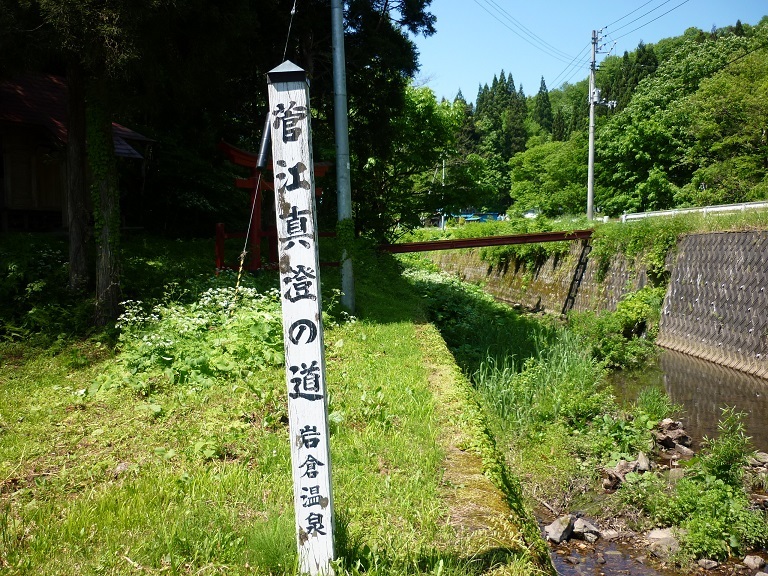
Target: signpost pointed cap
x=287, y=72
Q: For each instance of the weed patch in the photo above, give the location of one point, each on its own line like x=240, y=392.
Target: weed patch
x=709, y=504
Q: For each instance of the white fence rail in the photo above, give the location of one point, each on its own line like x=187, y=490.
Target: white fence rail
x=722, y=208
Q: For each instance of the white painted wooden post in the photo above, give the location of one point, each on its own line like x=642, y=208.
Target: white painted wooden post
x=302, y=317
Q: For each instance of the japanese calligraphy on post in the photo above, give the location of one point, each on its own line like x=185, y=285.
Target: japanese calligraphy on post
x=302, y=319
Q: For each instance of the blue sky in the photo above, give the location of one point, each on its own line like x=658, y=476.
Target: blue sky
x=476, y=39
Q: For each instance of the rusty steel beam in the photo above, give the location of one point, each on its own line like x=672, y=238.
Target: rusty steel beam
x=536, y=237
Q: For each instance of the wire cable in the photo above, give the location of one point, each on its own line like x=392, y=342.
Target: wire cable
x=526, y=30
x=290, y=25
x=570, y=65
x=642, y=16
x=628, y=14
x=245, y=246
x=516, y=33
x=650, y=21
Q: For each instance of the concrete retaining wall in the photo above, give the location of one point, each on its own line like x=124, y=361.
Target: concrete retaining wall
x=716, y=306
x=545, y=288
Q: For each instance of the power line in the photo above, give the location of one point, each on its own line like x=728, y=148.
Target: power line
x=654, y=20
x=516, y=33
x=642, y=16
x=629, y=14
x=583, y=65
x=570, y=65
x=526, y=30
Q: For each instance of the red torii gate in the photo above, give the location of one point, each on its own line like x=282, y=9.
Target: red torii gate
x=257, y=184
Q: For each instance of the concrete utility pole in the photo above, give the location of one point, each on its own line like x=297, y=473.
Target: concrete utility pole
x=592, y=102
x=343, y=186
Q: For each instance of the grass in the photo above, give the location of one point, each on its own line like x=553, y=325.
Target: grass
x=111, y=465
x=546, y=402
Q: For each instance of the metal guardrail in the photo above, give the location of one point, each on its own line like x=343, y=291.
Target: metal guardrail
x=722, y=208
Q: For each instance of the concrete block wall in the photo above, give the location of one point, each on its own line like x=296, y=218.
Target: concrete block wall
x=716, y=306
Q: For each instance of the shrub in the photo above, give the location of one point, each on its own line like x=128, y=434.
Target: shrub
x=221, y=335
x=710, y=504
x=624, y=338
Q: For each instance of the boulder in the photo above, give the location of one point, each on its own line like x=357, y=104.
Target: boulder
x=609, y=534
x=761, y=457
x=584, y=530
x=643, y=464
x=662, y=542
x=560, y=530
x=753, y=562
x=676, y=473
x=670, y=438
x=707, y=564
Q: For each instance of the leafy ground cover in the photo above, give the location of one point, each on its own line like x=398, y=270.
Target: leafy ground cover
x=163, y=447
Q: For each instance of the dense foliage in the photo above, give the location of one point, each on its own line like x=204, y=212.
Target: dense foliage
x=545, y=392
x=687, y=130
x=709, y=504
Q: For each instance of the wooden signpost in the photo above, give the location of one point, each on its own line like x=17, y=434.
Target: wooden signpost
x=294, y=184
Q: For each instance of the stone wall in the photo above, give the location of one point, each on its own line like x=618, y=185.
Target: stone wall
x=545, y=288
x=716, y=306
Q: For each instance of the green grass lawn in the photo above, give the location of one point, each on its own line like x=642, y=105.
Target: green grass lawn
x=181, y=464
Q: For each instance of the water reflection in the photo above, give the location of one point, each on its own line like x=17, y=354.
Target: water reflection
x=703, y=388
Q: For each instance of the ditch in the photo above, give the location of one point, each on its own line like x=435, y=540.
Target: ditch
x=702, y=388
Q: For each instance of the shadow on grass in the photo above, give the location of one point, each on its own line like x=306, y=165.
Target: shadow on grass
x=475, y=327
x=356, y=556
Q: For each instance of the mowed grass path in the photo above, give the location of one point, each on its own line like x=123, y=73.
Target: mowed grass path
x=196, y=480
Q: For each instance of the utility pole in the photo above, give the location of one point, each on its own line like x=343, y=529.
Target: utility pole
x=341, y=126
x=592, y=102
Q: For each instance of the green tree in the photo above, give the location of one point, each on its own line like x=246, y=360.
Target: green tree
x=559, y=126
x=551, y=177
x=542, y=107
x=408, y=183
x=652, y=134
x=500, y=122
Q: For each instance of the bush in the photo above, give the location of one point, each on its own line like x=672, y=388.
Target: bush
x=724, y=457
x=222, y=335
x=624, y=338
x=710, y=504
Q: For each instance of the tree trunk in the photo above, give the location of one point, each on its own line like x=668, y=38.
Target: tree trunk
x=76, y=192
x=106, y=207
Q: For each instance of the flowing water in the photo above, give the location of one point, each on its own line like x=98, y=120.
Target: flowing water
x=702, y=389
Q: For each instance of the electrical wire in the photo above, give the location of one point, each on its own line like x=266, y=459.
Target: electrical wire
x=570, y=65
x=653, y=20
x=642, y=16
x=629, y=14
x=527, y=30
x=518, y=34
x=290, y=25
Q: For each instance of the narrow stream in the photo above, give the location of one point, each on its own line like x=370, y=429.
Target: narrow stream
x=703, y=389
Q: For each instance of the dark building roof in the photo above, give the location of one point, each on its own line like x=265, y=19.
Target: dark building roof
x=41, y=100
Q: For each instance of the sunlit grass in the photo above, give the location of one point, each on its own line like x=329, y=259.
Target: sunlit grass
x=101, y=475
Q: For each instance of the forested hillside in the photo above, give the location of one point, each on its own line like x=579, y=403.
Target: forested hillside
x=689, y=128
